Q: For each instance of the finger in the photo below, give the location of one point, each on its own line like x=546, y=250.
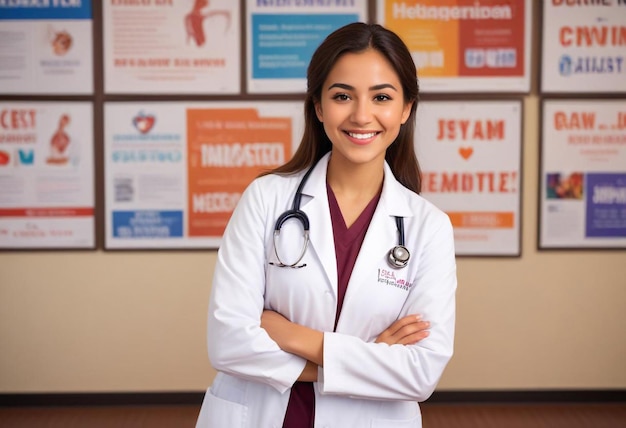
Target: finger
x=403, y=322
x=412, y=339
x=409, y=333
x=410, y=329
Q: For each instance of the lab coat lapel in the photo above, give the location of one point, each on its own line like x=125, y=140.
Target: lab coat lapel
x=315, y=205
x=381, y=236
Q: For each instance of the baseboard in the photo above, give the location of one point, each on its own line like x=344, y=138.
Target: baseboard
x=101, y=399
x=195, y=398
x=530, y=396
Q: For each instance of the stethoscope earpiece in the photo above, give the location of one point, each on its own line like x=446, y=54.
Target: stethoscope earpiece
x=398, y=257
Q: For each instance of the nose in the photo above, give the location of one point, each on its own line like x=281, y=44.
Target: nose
x=362, y=112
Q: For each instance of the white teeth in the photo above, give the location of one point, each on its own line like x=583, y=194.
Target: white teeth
x=362, y=136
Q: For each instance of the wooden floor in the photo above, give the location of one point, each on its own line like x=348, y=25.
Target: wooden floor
x=437, y=415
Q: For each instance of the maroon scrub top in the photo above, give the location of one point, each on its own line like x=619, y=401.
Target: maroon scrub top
x=301, y=408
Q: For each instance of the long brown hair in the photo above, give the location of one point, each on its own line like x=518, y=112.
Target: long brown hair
x=354, y=38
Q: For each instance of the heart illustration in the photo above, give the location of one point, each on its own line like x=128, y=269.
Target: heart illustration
x=466, y=152
x=143, y=122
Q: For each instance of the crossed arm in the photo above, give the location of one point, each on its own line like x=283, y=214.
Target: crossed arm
x=309, y=343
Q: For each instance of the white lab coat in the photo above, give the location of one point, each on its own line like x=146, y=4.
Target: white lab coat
x=362, y=383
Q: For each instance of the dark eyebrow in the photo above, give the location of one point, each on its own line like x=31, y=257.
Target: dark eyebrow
x=372, y=88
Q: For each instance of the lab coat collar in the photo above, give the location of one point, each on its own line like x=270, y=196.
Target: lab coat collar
x=394, y=201
x=394, y=197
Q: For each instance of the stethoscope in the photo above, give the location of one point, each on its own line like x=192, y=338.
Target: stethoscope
x=398, y=256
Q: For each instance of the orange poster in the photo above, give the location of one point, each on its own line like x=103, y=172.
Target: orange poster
x=227, y=149
x=462, y=45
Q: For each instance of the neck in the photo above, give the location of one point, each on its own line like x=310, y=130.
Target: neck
x=355, y=181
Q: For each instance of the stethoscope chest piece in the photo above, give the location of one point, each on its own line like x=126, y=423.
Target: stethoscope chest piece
x=398, y=257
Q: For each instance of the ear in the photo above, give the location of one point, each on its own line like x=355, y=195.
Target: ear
x=318, y=111
x=406, y=112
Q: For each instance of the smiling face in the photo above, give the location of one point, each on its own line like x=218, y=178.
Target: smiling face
x=362, y=107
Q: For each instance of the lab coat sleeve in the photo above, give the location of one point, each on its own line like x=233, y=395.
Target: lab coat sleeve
x=355, y=368
x=236, y=342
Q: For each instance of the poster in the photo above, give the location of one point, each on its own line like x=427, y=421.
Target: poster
x=464, y=45
x=171, y=47
x=583, y=174
x=46, y=175
x=583, y=47
x=46, y=47
x=174, y=171
x=470, y=156
x=282, y=36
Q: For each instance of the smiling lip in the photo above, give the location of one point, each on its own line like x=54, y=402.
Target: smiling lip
x=361, y=137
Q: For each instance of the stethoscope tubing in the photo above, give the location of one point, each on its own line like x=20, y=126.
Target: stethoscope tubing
x=397, y=257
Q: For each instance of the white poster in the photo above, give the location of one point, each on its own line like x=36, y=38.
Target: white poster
x=583, y=47
x=470, y=155
x=172, y=47
x=46, y=175
x=282, y=36
x=46, y=47
x=583, y=174
x=174, y=171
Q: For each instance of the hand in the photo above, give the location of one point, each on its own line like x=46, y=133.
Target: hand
x=405, y=331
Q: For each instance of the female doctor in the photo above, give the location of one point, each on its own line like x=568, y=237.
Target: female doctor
x=333, y=298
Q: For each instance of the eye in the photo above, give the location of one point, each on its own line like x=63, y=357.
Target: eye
x=341, y=97
x=382, y=97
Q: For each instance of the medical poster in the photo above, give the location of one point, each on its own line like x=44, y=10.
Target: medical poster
x=470, y=156
x=46, y=47
x=46, y=175
x=464, y=45
x=171, y=47
x=175, y=171
x=583, y=47
x=583, y=174
x=282, y=36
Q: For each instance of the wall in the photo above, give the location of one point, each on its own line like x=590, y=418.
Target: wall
x=99, y=321
x=135, y=321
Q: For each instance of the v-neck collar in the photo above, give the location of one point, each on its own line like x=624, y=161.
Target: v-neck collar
x=348, y=234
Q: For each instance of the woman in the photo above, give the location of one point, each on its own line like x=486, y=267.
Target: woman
x=336, y=332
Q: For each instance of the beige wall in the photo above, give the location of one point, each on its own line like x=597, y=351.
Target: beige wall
x=135, y=321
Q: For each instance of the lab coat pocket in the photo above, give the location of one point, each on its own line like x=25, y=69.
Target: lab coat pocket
x=219, y=413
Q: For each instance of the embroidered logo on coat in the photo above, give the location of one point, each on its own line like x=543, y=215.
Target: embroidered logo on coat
x=389, y=277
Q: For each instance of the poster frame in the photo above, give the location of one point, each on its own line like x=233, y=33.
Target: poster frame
x=95, y=231
x=541, y=70
x=544, y=99
x=483, y=85
x=486, y=98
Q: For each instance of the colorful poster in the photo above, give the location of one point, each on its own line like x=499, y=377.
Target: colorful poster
x=282, y=36
x=464, y=45
x=470, y=155
x=175, y=171
x=583, y=174
x=172, y=47
x=583, y=46
x=46, y=175
x=46, y=47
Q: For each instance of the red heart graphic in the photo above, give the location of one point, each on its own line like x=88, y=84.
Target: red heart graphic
x=143, y=123
x=466, y=152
